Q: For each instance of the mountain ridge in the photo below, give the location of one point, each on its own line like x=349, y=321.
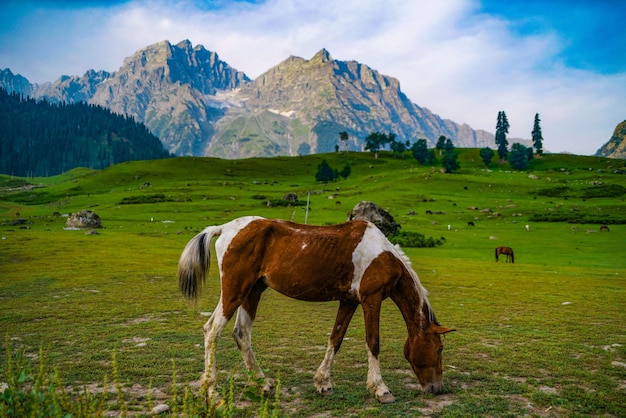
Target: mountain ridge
x=199, y=105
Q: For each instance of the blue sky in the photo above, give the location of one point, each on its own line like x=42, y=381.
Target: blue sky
x=465, y=60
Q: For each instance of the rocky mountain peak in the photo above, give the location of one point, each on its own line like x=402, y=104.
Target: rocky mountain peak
x=616, y=146
x=14, y=82
x=322, y=56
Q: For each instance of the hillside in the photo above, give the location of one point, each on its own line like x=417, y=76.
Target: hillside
x=199, y=105
x=38, y=138
x=194, y=191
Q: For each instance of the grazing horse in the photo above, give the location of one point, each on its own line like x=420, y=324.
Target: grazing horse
x=353, y=263
x=508, y=251
x=604, y=228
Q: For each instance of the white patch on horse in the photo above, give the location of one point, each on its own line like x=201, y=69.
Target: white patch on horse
x=375, y=382
x=373, y=243
x=229, y=231
x=304, y=245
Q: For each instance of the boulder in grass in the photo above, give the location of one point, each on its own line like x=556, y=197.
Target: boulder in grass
x=84, y=219
x=369, y=211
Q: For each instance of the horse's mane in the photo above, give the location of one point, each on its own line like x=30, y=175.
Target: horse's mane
x=421, y=290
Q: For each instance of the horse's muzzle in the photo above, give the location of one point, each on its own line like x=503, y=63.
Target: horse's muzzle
x=433, y=388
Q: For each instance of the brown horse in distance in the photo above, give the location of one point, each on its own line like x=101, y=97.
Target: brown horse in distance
x=508, y=251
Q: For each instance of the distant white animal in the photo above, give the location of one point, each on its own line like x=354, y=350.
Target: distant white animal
x=528, y=228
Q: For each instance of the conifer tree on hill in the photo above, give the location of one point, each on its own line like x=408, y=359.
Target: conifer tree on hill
x=537, y=136
x=502, y=128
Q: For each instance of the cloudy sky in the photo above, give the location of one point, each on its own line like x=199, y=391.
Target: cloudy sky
x=465, y=60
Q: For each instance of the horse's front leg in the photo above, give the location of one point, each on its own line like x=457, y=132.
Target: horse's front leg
x=322, y=379
x=212, y=330
x=375, y=383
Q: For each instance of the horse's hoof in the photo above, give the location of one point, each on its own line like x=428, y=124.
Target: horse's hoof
x=386, y=398
x=326, y=391
x=268, y=388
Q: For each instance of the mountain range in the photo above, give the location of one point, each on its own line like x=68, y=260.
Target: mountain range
x=199, y=105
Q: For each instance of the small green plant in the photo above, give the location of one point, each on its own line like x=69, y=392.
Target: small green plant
x=33, y=391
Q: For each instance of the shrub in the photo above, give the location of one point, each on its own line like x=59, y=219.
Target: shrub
x=559, y=191
x=414, y=240
x=604, y=190
x=152, y=198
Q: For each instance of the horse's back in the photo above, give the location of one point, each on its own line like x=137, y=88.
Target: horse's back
x=306, y=262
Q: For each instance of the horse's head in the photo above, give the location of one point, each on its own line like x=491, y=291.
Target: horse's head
x=424, y=353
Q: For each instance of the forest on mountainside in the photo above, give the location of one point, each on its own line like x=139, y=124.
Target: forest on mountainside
x=40, y=138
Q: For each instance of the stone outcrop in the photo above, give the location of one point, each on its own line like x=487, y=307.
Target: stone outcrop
x=369, y=211
x=616, y=147
x=84, y=219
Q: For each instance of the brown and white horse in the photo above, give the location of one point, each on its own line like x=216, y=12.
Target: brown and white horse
x=353, y=263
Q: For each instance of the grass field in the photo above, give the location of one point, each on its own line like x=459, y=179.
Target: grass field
x=542, y=337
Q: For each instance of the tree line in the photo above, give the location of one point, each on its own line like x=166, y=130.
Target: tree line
x=40, y=138
x=519, y=156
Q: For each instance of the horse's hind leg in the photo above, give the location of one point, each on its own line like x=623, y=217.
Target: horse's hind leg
x=322, y=379
x=242, y=333
x=212, y=331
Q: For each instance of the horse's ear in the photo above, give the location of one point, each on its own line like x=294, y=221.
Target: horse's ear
x=439, y=330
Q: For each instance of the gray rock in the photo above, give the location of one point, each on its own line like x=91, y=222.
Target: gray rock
x=369, y=211
x=84, y=219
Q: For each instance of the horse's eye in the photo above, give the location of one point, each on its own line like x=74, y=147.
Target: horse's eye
x=440, y=350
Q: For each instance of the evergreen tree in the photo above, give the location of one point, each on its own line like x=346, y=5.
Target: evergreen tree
x=486, y=154
x=441, y=144
x=449, y=146
x=537, y=136
x=345, y=172
x=325, y=172
x=450, y=161
x=502, y=128
x=420, y=151
x=520, y=157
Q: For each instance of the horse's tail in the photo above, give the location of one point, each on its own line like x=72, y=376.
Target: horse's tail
x=194, y=262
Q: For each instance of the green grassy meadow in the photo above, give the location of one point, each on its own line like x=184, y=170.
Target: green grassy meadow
x=542, y=337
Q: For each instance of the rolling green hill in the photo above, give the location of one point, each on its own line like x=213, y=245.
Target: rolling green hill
x=578, y=189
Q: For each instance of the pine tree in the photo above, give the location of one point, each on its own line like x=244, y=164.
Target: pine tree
x=420, y=151
x=537, y=137
x=325, y=172
x=450, y=160
x=486, y=154
x=441, y=144
x=502, y=128
x=520, y=156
